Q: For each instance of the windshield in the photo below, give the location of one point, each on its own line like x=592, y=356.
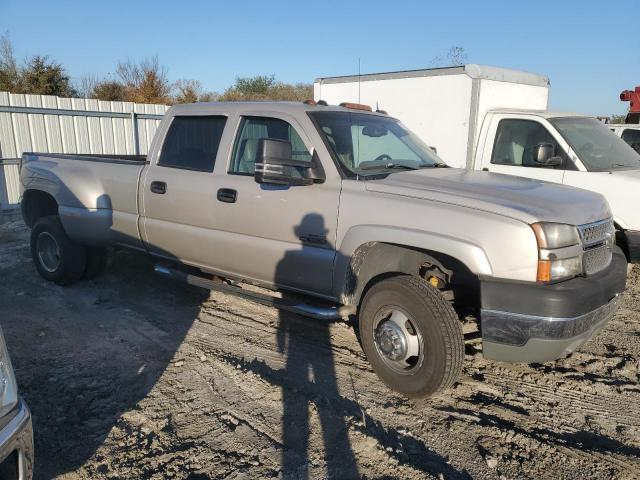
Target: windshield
x=372, y=144
x=598, y=147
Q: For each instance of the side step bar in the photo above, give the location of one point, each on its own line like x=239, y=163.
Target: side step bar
x=321, y=313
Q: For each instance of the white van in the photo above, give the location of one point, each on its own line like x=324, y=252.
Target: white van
x=496, y=119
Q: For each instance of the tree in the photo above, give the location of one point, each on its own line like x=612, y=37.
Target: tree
x=144, y=81
x=38, y=75
x=615, y=118
x=42, y=76
x=454, y=57
x=110, y=91
x=188, y=91
x=262, y=87
x=9, y=74
x=87, y=85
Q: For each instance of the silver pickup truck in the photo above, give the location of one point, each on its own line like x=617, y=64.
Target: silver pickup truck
x=346, y=213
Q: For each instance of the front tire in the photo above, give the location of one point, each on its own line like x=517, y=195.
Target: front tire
x=412, y=336
x=57, y=258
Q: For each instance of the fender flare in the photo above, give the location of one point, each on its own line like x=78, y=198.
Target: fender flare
x=358, y=242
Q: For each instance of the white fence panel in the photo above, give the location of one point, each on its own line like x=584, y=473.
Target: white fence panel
x=43, y=123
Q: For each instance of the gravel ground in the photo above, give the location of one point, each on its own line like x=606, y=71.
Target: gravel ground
x=134, y=376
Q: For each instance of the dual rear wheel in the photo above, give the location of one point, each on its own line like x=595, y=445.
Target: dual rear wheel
x=58, y=258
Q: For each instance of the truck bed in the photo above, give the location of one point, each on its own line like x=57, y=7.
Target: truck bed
x=97, y=194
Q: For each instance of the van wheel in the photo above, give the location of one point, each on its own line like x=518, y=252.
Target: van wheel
x=412, y=336
x=57, y=258
x=96, y=262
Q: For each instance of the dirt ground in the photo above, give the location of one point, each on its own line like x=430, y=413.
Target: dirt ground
x=134, y=376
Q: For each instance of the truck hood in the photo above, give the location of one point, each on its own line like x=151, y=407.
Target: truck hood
x=633, y=175
x=520, y=198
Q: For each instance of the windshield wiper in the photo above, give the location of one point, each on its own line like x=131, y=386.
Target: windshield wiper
x=389, y=165
x=435, y=165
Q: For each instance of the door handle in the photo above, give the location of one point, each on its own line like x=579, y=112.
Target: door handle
x=159, y=187
x=227, y=195
x=485, y=169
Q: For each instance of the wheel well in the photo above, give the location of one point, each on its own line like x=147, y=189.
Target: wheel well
x=621, y=241
x=37, y=204
x=376, y=261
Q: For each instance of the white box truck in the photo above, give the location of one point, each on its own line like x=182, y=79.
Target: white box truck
x=496, y=119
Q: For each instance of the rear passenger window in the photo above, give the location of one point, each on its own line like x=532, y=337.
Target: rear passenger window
x=192, y=143
x=252, y=129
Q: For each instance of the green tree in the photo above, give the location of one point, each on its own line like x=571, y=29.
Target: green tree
x=42, y=76
x=264, y=87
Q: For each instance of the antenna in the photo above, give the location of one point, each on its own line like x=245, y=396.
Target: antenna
x=358, y=79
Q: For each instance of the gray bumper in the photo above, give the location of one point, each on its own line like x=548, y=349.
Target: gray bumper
x=512, y=337
x=16, y=444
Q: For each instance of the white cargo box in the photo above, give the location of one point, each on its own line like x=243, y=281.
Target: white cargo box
x=444, y=106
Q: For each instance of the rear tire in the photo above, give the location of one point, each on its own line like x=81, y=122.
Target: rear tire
x=412, y=336
x=57, y=258
x=96, y=262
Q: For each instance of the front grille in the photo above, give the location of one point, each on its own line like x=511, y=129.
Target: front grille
x=596, y=259
x=596, y=242
x=594, y=233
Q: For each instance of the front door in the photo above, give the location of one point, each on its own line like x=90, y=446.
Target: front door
x=512, y=152
x=283, y=235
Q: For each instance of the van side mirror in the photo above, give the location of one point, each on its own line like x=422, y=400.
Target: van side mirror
x=544, y=155
x=275, y=164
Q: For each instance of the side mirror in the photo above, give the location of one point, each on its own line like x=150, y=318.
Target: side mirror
x=275, y=164
x=543, y=155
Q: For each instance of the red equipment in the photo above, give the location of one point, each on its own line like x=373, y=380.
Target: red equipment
x=633, y=97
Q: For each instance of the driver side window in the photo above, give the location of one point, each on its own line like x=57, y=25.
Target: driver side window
x=251, y=130
x=516, y=141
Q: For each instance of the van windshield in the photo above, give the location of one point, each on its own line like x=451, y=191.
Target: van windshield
x=368, y=144
x=599, y=148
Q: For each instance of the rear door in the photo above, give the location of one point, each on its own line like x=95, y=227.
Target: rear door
x=178, y=198
x=283, y=235
x=510, y=145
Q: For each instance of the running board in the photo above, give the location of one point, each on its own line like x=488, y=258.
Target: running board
x=321, y=313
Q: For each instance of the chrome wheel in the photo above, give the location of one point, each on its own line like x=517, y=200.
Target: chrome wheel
x=48, y=252
x=398, y=341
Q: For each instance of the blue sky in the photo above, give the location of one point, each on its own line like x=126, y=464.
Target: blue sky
x=589, y=49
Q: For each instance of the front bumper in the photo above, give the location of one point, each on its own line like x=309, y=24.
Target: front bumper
x=16, y=444
x=522, y=322
x=633, y=243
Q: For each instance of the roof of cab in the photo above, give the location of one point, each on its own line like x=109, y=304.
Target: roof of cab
x=540, y=113
x=291, y=108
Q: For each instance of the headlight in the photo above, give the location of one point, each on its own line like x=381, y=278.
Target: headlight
x=555, y=235
x=8, y=389
x=559, y=251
